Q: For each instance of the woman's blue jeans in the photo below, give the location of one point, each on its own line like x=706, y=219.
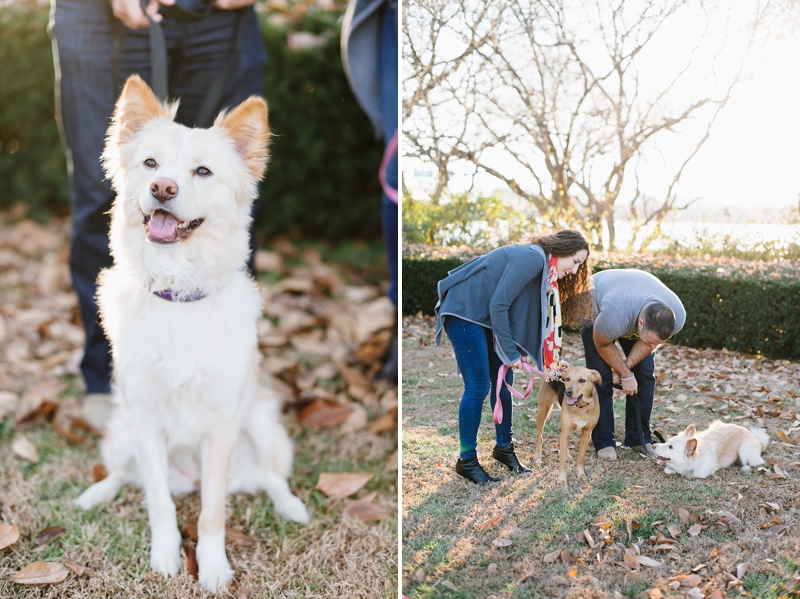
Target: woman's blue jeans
x=479, y=365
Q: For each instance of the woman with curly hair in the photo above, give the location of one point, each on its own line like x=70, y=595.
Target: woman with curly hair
x=501, y=306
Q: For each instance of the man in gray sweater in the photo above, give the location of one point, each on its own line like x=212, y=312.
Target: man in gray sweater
x=639, y=312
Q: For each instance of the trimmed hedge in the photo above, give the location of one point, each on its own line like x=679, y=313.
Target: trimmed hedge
x=748, y=315
x=322, y=180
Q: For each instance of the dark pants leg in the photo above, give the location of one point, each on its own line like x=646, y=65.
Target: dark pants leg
x=85, y=96
x=479, y=365
x=389, y=108
x=646, y=382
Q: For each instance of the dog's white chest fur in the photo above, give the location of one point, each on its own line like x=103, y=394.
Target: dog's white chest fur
x=580, y=424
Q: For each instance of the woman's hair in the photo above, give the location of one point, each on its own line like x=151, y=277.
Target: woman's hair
x=573, y=290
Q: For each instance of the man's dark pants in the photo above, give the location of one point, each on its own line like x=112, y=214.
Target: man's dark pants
x=85, y=97
x=603, y=433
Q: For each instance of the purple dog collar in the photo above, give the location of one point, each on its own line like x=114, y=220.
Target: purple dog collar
x=167, y=294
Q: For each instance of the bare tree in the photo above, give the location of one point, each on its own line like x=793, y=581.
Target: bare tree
x=563, y=91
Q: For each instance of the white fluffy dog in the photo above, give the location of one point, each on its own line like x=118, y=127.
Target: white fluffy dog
x=698, y=455
x=180, y=311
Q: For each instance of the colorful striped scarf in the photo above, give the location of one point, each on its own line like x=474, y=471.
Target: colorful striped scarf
x=552, y=328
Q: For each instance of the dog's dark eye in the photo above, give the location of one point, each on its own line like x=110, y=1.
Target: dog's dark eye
x=670, y=446
x=202, y=171
x=581, y=380
x=150, y=163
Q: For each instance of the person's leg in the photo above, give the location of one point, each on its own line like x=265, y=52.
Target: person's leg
x=503, y=431
x=603, y=433
x=85, y=97
x=469, y=344
x=389, y=110
x=644, y=372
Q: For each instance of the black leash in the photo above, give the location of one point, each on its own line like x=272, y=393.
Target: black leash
x=158, y=55
x=641, y=425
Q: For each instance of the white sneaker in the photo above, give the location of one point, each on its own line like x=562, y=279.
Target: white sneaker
x=607, y=453
x=97, y=409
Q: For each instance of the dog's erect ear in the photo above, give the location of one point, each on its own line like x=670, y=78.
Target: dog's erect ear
x=595, y=377
x=137, y=105
x=691, y=447
x=690, y=431
x=247, y=126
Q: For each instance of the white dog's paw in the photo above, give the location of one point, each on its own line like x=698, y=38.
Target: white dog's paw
x=215, y=577
x=165, y=554
x=214, y=571
x=292, y=508
x=98, y=493
x=669, y=470
x=745, y=468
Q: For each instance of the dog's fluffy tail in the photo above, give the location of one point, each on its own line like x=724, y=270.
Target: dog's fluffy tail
x=762, y=437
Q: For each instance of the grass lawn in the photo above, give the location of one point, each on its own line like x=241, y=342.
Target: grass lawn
x=732, y=534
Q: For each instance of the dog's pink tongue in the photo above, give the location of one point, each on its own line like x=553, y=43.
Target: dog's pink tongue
x=162, y=225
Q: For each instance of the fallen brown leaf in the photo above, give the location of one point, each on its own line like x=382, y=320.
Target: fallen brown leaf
x=391, y=463
x=683, y=514
x=41, y=573
x=448, y=585
x=49, y=534
x=488, y=523
x=341, y=484
x=502, y=542
x=572, y=572
x=9, y=534
x=692, y=580
x=191, y=561
x=551, y=557
x=647, y=561
x=561, y=580
x=76, y=568
x=365, y=511
x=695, y=529
x=45, y=410
x=323, y=413
x=386, y=422
x=99, y=472
x=25, y=449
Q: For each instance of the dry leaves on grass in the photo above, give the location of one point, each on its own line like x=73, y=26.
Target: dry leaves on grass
x=25, y=449
x=365, y=510
x=41, y=573
x=49, y=534
x=9, y=534
x=339, y=485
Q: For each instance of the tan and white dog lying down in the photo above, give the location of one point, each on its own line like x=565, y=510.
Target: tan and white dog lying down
x=580, y=410
x=181, y=312
x=698, y=455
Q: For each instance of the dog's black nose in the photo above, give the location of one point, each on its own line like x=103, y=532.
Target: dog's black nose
x=569, y=391
x=163, y=189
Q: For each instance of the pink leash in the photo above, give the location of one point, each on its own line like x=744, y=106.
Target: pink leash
x=501, y=380
x=390, y=192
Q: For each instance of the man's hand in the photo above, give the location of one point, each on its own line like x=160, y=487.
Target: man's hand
x=231, y=4
x=517, y=364
x=630, y=387
x=131, y=14
x=615, y=378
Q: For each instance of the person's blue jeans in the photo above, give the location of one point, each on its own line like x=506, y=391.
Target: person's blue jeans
x=85, y=96
x=479, y=365
x=603, y=433
x=389, y=108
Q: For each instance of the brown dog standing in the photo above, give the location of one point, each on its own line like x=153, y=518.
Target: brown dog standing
x=580, y=409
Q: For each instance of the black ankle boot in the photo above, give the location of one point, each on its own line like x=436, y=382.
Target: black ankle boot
x=506, y=456
x=473, y=471
x=390, y=369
